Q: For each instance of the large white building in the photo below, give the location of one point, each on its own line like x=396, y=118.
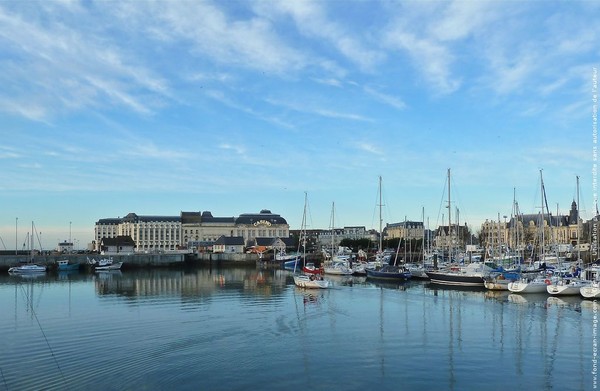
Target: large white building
x=189, y=229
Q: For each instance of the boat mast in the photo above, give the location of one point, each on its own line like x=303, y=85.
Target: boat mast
x=578, y=249
x=380, y=219
x=423, y=241
x=449, y=222
x=332, y=230
x=542, y=249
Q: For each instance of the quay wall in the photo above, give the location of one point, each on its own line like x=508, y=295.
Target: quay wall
x=129, y=260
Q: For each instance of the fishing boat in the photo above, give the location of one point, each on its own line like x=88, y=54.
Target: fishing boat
x=64, y=265
x=312, y=281
x=104, y=264
x=289, y=261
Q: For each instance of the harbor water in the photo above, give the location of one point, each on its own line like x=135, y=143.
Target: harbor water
x=247, y=328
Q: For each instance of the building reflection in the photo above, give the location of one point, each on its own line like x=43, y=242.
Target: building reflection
x=194, y=283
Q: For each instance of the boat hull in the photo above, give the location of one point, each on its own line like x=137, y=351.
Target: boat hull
x=307, y=282
x=566, y=289
x=401, y=276
x=27, y=269
x=113, y=266
x=455, y=279
x=590, y=292
x=528, y=287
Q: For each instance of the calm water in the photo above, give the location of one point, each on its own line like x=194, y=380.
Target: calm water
x=242, y=329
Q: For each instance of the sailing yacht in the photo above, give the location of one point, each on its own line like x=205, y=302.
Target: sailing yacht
x=571, y=285
x=470, y=275
x=336, y=265
x=539, y=283
x=312, y=281
x=29, y=268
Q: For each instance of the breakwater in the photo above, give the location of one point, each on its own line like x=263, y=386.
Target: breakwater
x=130, y=261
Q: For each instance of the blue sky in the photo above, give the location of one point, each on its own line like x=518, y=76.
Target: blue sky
x=157, y=107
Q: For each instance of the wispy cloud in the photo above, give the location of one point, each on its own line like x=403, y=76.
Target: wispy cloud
x=73, y=67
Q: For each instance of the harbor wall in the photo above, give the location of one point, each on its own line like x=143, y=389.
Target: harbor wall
x=129, y=260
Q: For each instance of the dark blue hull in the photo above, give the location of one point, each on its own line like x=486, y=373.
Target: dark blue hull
x=388, y=275
x=454, y=279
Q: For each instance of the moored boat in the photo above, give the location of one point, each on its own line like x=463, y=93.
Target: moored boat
x=530, y=285
x=104, y=264
x=591, y=291
x=566, y=287
x=314, y=281
x=65, y=265
x=389, y=272
x=27, y=269
x=310, y=268
x=471, y=275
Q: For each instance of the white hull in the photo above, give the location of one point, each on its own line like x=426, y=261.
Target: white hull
x=303, y=281
x=114, y=266
x=528, y=286
x=571, y=289
x=27, y=269
x=591, y=292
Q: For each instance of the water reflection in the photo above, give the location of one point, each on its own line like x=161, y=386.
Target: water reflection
x=176, y=329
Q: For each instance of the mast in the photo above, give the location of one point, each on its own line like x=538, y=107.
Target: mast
x=542, y=249
x=578, y=248
x=380, y=219
x=332, y=229
x=302, y=241
x=449, y=222
x=423, y=241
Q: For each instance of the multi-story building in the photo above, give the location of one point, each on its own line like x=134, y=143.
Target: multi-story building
x=189, y=229
x=328, y=237
x=526, y=230
x=405, y=230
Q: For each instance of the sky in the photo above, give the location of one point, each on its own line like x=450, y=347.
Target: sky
x=158, y=107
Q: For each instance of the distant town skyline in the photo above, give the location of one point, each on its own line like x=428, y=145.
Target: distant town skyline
x=158, y=107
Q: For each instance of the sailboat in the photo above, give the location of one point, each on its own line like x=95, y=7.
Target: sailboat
x=335, y=265
x=387, y=271
x=536, y=284
x=570, y=285
x=30, y=267
x=418, y=271
x=312, y=281
x=472, y=274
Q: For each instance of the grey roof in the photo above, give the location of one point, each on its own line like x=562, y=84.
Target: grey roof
x=190, y=217
x=108, y=221
x=265, y=214
x=230, y=240
x=119, y=240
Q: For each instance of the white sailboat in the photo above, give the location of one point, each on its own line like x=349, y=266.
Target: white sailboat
x=539, y=283
x=312, y=281
x=335, y=265
x=570, y=286
x=29, y=268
